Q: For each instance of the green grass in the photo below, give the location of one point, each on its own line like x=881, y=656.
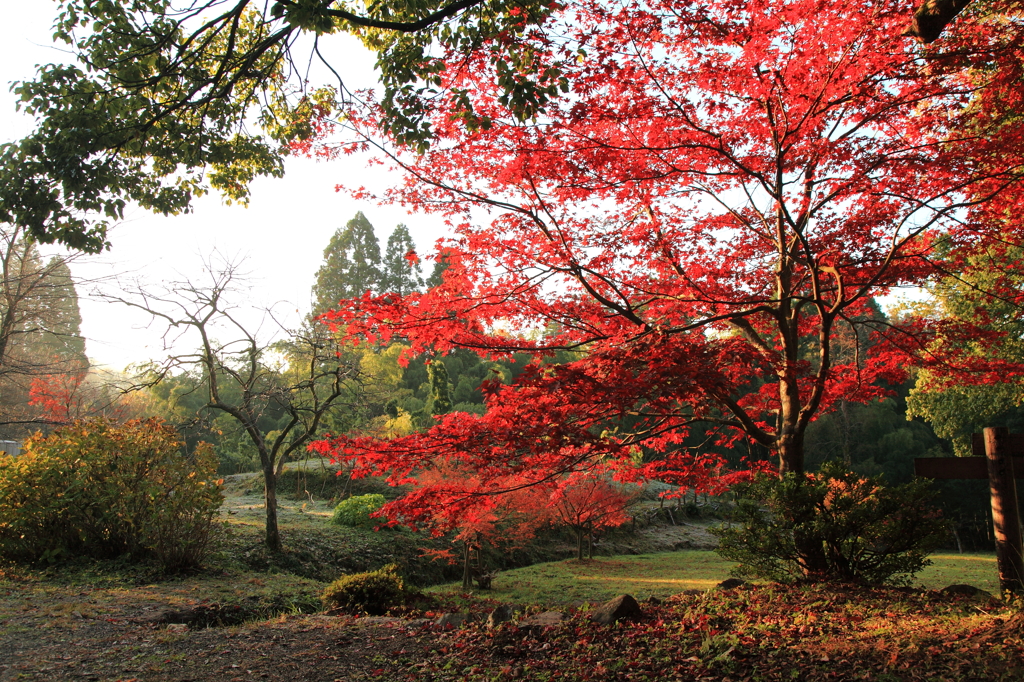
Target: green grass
x=662, y=575
x=643, y=575
x=950, y=569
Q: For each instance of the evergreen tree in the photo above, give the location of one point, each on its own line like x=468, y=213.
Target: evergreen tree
x=440, y=391
x=440, y=265
x=40, y=322
x=400, y=274
x=59, y=338
x=351, y=266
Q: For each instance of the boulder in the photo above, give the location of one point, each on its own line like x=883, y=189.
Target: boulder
x=451, y=620
x=543, y=620
x=967, y=591
x=623, y=607
x=731, y=584
x=500, y=615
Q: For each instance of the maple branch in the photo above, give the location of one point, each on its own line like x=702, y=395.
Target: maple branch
x=747, y=423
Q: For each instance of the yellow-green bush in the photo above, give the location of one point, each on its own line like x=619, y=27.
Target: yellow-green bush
x=100, y=489
x=355, y=511
x=371, y=593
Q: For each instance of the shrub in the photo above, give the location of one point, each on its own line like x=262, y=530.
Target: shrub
x=371, y=593
x=355, y=511
x=100, y=489
x=832, y=526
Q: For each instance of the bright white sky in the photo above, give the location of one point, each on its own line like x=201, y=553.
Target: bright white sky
x=281, y=234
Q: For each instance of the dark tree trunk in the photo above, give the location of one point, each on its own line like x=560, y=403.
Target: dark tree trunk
x=270, y=499
x=467, y=571
x=809, y=548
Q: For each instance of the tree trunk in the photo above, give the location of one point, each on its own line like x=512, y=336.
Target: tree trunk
x=467, y=573
x=579, y=543
x=790, y=441
x=270, y=499
x=810, y=550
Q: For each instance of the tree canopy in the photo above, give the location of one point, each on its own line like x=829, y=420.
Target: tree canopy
x=706, y=216
x=165, y=100
x=351, y=265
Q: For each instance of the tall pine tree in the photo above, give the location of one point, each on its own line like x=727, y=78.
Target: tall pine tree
x=441, y=263
x=351, y=267
x=400, y=273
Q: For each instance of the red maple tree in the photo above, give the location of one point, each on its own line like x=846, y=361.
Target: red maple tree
x=588, y=504
x=703, y=218
x=62, y=398
x=502, y=522
x=58, y=396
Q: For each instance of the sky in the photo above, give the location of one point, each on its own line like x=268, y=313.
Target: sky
x=281, y=235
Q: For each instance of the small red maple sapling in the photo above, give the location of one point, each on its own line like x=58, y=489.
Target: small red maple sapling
x=502, y=522
x=702, y=220
x=588, y=504
x=66, y=397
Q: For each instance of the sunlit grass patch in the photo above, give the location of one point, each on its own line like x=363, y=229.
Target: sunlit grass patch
x=663, y=575
x=643, y=575
x=978, y=570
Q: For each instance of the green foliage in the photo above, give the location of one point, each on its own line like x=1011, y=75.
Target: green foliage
x=162, y=112
x=853, y=528
x=372, y=593
x=440, y=389
x=977, y=295
x=100, y=489
x=355, y=511
x=351, y=265
x=399, y=273
x=873, y=438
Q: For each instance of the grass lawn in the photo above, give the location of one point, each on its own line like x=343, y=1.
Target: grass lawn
x=950, y=569
x=662, y=575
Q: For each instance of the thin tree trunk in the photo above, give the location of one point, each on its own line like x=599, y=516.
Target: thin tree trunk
x=467, y=573
x=270, y=499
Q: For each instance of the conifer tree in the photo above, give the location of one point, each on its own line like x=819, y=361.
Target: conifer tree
x=440, y=391
x=443, y=260
x=401, y=272
x=351, y=266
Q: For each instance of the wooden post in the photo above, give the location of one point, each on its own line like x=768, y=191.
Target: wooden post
x=1005, y=517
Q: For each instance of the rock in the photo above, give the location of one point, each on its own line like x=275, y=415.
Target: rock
x=417, y=623
x=731, y=584
x=546, y=619
x=500, y=615
x=623, y=607
x=366, y=621
x=451, y=620
x=967, y=591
